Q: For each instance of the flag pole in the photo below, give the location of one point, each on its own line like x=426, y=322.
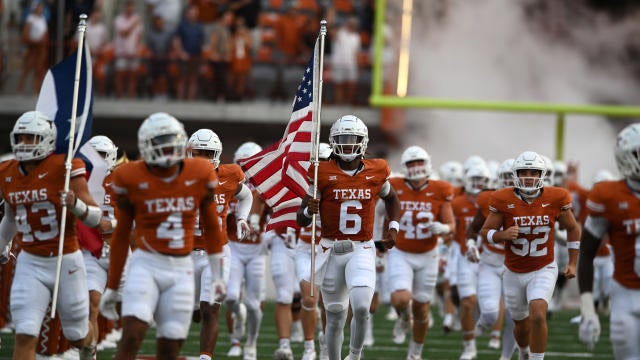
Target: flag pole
x=82, y=27
x=314, y=156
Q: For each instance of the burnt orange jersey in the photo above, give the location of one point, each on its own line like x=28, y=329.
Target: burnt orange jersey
x=483, y=207
x=229, y=177
x=347, y=202
x=458, y=190
x=165, y=211
x=614, y=201
x=108, y=205
x=533, y=249
x=464, y=210
x=35, y=201
x=418, y=209
x=579, y=198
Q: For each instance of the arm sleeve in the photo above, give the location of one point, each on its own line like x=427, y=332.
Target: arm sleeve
x=8, y=227
x=245, y=199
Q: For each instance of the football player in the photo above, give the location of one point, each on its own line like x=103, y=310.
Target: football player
x=413, y=263
x=163, y=193
x=527, y=214
x=613, y=210
x=97, y=260
x=348, y=187
x=248, y=265
x=206, y=144
x=476, y=179
x=32, y=188
x=490, y=269
x=303, y=270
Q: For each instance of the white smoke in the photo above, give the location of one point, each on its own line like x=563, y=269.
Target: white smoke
x=487, y=50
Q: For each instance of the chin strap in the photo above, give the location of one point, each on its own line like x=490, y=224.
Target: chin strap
x=634, y=185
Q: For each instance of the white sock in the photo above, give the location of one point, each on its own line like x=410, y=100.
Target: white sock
x=536, y=356
x=285, y=343
x=415, y=348
x=309, y=344
x=524, y=352
x=205, y=357
x=470, y=344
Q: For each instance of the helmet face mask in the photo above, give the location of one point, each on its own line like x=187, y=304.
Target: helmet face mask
x=348, y=138
x=106, y=148
x=529, y=170
x=206, y=144
x=162, y=140
x=416, y=163
x=33, y=136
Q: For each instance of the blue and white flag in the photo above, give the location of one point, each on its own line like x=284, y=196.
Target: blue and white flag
x=56, y=100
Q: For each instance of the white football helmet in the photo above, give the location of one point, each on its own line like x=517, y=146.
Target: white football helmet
x=416, y=172
x=246, y=150
x=105, y=147
x=451, y=172
x=206, y=140
x=44, y=131
x=324, y=151
x=162, y=140
x=627, y=151
x=603, y=175
x=560, y=172
x=476, y=178
x=492, y=166
x=473, y=160
x=529, y=160
x=348, y=137
x=505, y=174
x=548, y=175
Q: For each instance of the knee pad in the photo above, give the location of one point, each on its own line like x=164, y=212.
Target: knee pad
x=335, y=308
x=489, y=318
x=296, y=304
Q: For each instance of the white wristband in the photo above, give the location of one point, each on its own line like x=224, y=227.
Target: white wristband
x=586, y=304
x=573, y=245
x=79, y=208
x=490, y=235
x=306, y=213
x=394, y=225
x=114, y=223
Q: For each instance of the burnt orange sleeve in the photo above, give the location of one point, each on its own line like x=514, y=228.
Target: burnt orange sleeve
x=119, y=247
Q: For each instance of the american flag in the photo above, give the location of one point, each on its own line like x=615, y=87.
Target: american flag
x=279, y=172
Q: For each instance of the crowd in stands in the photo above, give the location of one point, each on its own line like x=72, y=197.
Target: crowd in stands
x=202, y=49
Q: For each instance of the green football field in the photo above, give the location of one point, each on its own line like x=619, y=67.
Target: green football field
x=563, y=342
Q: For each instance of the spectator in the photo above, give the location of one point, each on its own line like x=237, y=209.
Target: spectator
x=191, y=37
x=240, y=58
x=35, y=38
x=128, y=32
x=344, y=61
x=97, y=38
x=288, y=48
x=219, y=54
x=158, y=42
